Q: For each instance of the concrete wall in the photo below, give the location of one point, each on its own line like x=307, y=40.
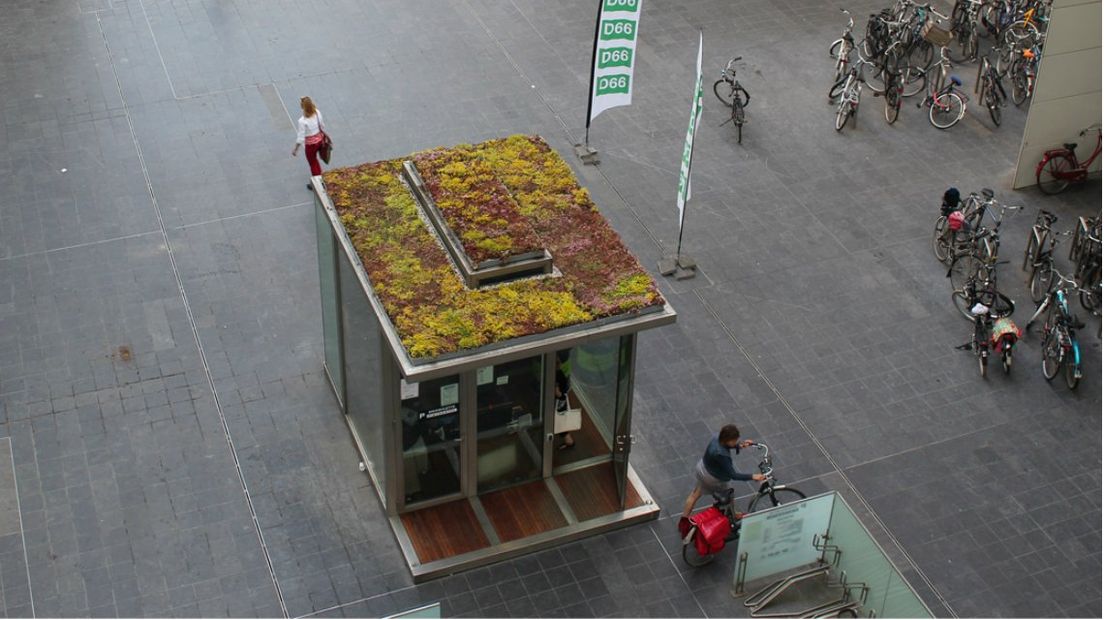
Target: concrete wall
x=1067, y=93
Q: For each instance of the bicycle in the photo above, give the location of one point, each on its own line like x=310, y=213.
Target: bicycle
x=946, y=104
x=1061, y=167
x=963, y=26
x=849, y=96
x=733, y=95
x=1087, y=270
x=986, y=243
x=990, y=90
x=981, y=344
x=1059, y=343
x=1038, y=237
x=770, y=494
x=1042, y=270
x=842, y=47
x=1022, y=74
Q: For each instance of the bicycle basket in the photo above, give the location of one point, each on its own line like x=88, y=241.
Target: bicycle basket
x=935, y=35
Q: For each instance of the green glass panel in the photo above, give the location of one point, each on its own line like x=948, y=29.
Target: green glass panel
x=327, y=284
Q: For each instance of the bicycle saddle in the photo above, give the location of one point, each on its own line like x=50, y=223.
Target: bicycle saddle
x=988, y=193
x=956, y=81
x=724, y=497
x=1070, y=146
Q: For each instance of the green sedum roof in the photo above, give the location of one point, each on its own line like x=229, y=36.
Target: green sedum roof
x=501, y=198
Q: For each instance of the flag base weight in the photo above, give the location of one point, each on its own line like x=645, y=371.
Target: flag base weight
x=587, y=154
x=682, y=267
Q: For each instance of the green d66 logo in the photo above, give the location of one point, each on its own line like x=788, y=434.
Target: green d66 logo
x=629, y=6
x=618, y=29
x=614, y=57
x=612, y=84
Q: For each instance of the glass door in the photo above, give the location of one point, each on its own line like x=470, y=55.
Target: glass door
x=622, y=439
x=431, y=461
x=509, y=405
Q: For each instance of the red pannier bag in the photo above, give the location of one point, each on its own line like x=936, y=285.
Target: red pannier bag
x=713, y=528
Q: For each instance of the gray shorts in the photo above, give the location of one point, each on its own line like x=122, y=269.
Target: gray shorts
x=706, y=482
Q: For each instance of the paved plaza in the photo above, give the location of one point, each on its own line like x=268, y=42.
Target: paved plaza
x=169, y=445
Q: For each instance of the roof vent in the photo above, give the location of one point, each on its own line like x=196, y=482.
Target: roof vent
x=486, y=272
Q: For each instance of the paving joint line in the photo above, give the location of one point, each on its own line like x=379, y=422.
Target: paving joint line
x=824, y=452
x=22, y=534
x=192, y=322
x=241, y=215
x=677, y=570
x=356, y=602
x=80, y=245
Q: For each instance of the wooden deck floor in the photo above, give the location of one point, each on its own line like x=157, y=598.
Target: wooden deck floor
x=443, y=531
x=591, y=491
x=522, y=511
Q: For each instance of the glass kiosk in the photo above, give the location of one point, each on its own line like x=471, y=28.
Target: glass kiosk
x=462, y=446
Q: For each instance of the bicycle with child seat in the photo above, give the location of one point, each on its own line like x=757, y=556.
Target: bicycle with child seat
x=771, y=493
x=1060, y=167
x=733, y=95
x=985, y=310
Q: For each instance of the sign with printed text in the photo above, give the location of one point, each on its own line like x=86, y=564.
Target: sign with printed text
x=614, y=55
x=688, y=147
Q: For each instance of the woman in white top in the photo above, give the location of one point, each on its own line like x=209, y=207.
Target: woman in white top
x=311, y=128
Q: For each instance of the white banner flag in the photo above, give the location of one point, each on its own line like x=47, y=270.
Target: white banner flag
x=688, y=149
x=614, y=56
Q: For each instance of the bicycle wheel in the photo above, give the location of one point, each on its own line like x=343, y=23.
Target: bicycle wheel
x=1006, y=361
x=983, y=364
x=958, y=50
x=842, y=112
x=1051, y=177
x=946, y=110
x=992, y=103
x=962, y=303
x=964, y=267
x=836, y=90
x=738, y=118
x=1042, y=279
x=691, y=556
x=724, y=91
x=892, y=101
x=1052, y=354
x=1091, y=300
x=1030, y=252
x=1073, y=374
x=833, y=49
x=1019, y=86
x=916, y=81
x=775, y=497
x=941, y=244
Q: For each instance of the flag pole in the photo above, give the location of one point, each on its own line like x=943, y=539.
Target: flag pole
x=593, y=62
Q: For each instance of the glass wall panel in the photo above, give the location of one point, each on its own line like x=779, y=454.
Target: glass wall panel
x=431, y=438
x=591, y=372
x=363, y=356
x=509, y=423
x=327, y=284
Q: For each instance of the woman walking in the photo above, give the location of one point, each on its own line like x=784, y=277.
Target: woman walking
x=312, y=131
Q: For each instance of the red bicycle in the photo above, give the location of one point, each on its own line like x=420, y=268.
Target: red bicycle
x=1060, y=167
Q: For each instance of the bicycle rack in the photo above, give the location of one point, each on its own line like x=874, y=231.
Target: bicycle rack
x=765, y=595
x=821, y=544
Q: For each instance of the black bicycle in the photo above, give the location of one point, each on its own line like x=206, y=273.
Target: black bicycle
x=770, y=494
x=733, y=95
x=990, y=89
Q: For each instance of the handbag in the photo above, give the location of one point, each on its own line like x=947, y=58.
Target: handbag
x=325, y=150
x=567, y=420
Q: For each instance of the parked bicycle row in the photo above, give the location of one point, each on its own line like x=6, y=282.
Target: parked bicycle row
x=967, y=237
x=898, y=58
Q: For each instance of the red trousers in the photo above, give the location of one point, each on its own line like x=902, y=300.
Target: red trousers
x=312, y=157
